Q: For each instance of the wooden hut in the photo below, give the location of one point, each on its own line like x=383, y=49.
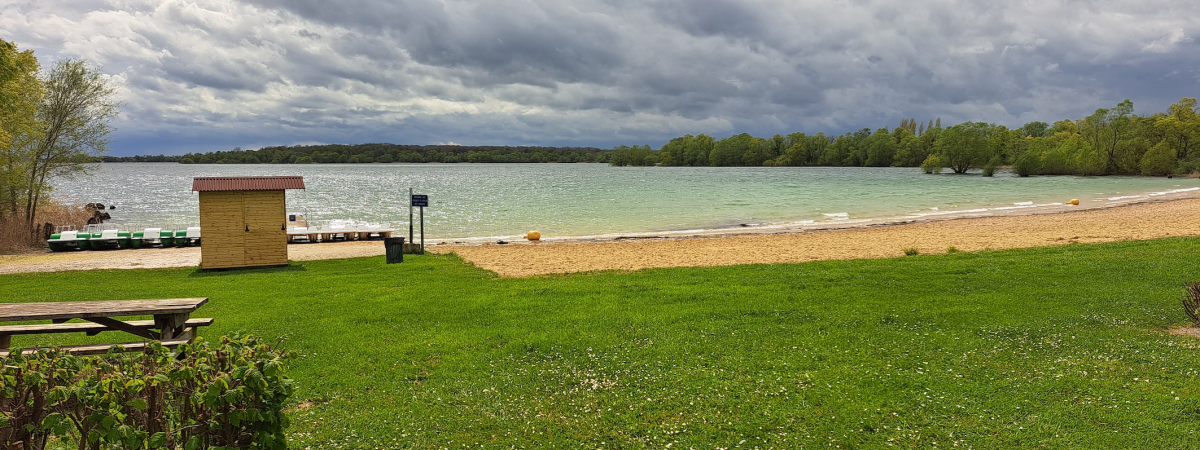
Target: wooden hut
x=243, y=220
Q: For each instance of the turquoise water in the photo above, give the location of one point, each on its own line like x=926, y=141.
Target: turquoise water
x=489, y=201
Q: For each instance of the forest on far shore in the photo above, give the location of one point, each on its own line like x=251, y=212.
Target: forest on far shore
x=1112, y=141
x=382, y=153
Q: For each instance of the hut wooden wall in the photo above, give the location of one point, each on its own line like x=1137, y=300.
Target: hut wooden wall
x=242, y=229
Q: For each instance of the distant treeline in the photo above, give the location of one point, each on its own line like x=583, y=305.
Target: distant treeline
x=383, y=153
x=1109, y=142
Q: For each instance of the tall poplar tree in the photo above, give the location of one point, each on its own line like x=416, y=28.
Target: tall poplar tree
x=20, y=93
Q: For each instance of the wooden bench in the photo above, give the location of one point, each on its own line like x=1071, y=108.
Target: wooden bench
x=172, y=324
x=100, y=349
x=90, y=328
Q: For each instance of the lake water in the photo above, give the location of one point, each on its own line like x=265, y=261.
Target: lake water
x=480, y=202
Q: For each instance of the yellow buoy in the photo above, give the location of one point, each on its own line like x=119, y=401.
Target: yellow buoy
x=1073, y=201
x=533, y=236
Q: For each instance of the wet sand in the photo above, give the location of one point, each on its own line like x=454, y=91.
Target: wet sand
x=1133, y=222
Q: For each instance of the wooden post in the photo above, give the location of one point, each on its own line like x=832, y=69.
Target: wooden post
x=410, y=217
x=422, y=230
x=169, y=325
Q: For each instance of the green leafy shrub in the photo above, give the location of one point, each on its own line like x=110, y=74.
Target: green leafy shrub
x=228, y=395
x=932, y=164
x=911, y=251
x=1188, y=167
x=989, y=169
x=952, y=249
x=1030, y=163
x=1159, y=161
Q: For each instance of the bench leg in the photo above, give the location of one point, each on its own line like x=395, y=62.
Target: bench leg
x=170, y=325
x=5, y=341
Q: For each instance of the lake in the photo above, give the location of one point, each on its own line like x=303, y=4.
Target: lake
x=482, y=202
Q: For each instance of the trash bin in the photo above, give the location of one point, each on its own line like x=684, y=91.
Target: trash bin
x=394, y=247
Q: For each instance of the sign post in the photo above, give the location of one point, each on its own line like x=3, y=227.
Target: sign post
x=410, y=217
x=419, y=201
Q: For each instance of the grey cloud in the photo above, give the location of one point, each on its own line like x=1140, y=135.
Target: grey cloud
x=599, y=73
x=727, y=18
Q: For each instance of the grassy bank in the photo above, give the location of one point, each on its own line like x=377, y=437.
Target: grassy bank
x=1053, y=347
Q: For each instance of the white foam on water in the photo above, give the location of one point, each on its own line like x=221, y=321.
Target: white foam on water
x=1154, y=194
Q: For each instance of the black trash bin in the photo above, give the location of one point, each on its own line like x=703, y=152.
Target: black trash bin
x=394, y=247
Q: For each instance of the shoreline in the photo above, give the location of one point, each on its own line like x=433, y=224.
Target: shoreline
x=1155, y=219
x=836, y=225
x=1168, y=215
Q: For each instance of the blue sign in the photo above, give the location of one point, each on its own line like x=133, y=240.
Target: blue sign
x=420, y=200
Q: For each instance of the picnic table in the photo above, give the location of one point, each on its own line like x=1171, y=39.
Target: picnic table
x=172, y=324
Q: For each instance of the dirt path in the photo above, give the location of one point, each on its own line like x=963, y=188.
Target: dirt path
x=157, y=258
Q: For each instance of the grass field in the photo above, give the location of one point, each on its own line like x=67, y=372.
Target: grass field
x=1062, y=347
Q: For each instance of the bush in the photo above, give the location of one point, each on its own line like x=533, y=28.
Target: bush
x=226, y=395
x=990, y=168
x=305, y=160
x=1191, y=302
x=911, y=252
x=932, y=164
x=1159, y=161
x=1030, y=163
x=1188, y=167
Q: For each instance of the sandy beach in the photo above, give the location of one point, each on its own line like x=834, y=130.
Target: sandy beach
x=1132, y=222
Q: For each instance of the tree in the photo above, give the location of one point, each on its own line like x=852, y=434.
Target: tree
x=1035, y=129
x=730, y=151
x=1107, y=131
x=1028, y=163
x=1181, y=127
x=909, y=152
x=672, y=153
x=964, y=146
x=74, y=115
x=1159, y=160
x=880, y=148
x=20, y=93
x=758, y=151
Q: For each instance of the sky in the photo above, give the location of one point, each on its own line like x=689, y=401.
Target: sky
x=206, y=75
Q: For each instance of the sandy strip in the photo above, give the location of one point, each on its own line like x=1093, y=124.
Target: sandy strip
x=1134, y=222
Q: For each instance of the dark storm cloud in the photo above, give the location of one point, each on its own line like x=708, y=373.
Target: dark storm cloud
x=530, y=45
x=569, y=72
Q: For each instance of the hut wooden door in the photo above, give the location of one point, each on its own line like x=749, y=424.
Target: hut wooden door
x=266, y=232
x=222, y=222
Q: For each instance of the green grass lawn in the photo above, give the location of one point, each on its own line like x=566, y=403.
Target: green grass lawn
x=1055, y=347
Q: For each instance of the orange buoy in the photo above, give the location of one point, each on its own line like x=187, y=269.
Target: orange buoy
x=533, y=236
x=1073, y=201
